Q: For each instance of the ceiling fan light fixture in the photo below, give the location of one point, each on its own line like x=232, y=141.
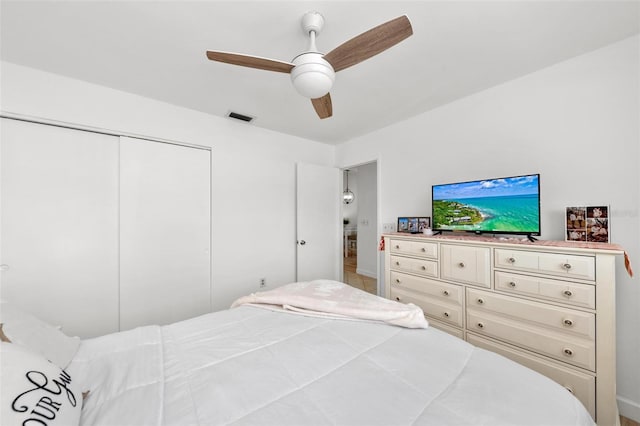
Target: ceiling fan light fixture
x=312, y=76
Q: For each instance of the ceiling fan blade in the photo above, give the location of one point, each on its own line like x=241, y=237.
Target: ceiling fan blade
x=250, y=61
x=323, y=106
x=369, y=43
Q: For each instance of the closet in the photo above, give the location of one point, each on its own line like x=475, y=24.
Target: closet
x=164, y=232
x=100, y=233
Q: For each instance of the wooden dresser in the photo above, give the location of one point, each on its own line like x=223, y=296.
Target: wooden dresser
x=549, y=307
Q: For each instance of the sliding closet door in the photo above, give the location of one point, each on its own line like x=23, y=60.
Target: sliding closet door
x=59, y=225
x=165, y=221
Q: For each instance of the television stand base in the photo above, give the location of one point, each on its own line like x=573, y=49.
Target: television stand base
x=532, y=238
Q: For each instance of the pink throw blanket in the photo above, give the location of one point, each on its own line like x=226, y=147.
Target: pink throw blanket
x=334, y=299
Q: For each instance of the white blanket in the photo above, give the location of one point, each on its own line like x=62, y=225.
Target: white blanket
x=249, y=366
x=326, y=298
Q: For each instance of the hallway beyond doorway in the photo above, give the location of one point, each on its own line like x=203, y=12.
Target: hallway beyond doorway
x=362, y=282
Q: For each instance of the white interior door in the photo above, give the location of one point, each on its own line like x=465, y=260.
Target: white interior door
x=165, y=228
x=319, y=227
x=59, y=225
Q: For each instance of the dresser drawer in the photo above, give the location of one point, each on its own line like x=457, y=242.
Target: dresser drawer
x=415, y=248
x=432, y=307
x=415, y=266
x=470, y=265
x=583, y=295
x=560, y=346
x=566, y=265
x=564, y=320
x=448, y=293
x=582, y=385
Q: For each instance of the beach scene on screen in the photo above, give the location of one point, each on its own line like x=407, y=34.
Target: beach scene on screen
x=496, y=205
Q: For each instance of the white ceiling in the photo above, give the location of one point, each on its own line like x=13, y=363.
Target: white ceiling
x=157, y=49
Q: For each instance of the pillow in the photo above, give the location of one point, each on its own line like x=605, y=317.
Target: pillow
x=26, y=330
x=35, y=391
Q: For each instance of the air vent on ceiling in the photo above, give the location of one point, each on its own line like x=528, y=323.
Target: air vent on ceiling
x=240, y=117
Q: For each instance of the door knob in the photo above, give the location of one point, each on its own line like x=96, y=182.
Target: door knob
x=302, y=242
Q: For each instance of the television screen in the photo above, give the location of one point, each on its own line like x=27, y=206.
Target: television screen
x=503, y=206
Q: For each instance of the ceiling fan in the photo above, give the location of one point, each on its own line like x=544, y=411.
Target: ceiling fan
x=312, y=72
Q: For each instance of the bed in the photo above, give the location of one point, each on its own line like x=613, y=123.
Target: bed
x=269, y=363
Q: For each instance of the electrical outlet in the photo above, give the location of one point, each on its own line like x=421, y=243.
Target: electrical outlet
x=263, y=282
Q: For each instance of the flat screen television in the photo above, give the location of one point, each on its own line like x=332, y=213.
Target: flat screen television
x=509, y=205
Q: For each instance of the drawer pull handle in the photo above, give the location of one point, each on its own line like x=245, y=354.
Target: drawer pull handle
x=445, y=292
x=423, y=249
x=398, y=299
x=397, y=247
x=568, y=352
x=569, y=388
x=480, y=325
x=480, y=301
x=424, y=268
x=461, y=264
x=446, y=314
x=397, y=263
x=511, y=260
x=566, y=266
x=567, y=293
x=567, y=322
x=397, y=280
x=512, y=284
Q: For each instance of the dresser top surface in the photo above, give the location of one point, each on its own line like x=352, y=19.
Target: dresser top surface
x=520, y=242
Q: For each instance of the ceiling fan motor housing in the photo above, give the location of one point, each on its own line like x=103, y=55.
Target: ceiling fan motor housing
x=312, y=21
x=312, y=75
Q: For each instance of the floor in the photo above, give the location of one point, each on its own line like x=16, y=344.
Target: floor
x=627, y=422
x=351, y=277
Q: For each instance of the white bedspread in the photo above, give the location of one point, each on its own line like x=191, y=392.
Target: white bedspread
x=250, y=366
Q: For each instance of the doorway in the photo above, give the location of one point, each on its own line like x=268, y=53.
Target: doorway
x=360, y=227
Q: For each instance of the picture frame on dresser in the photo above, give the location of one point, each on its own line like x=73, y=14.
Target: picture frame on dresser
x=588, y=223
x=413, y=225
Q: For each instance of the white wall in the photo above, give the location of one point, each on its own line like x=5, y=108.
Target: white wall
x=367, y=220
x=576, y=123
x=253, y=176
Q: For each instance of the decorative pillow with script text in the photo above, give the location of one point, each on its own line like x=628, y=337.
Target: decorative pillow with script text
x=34, y=391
